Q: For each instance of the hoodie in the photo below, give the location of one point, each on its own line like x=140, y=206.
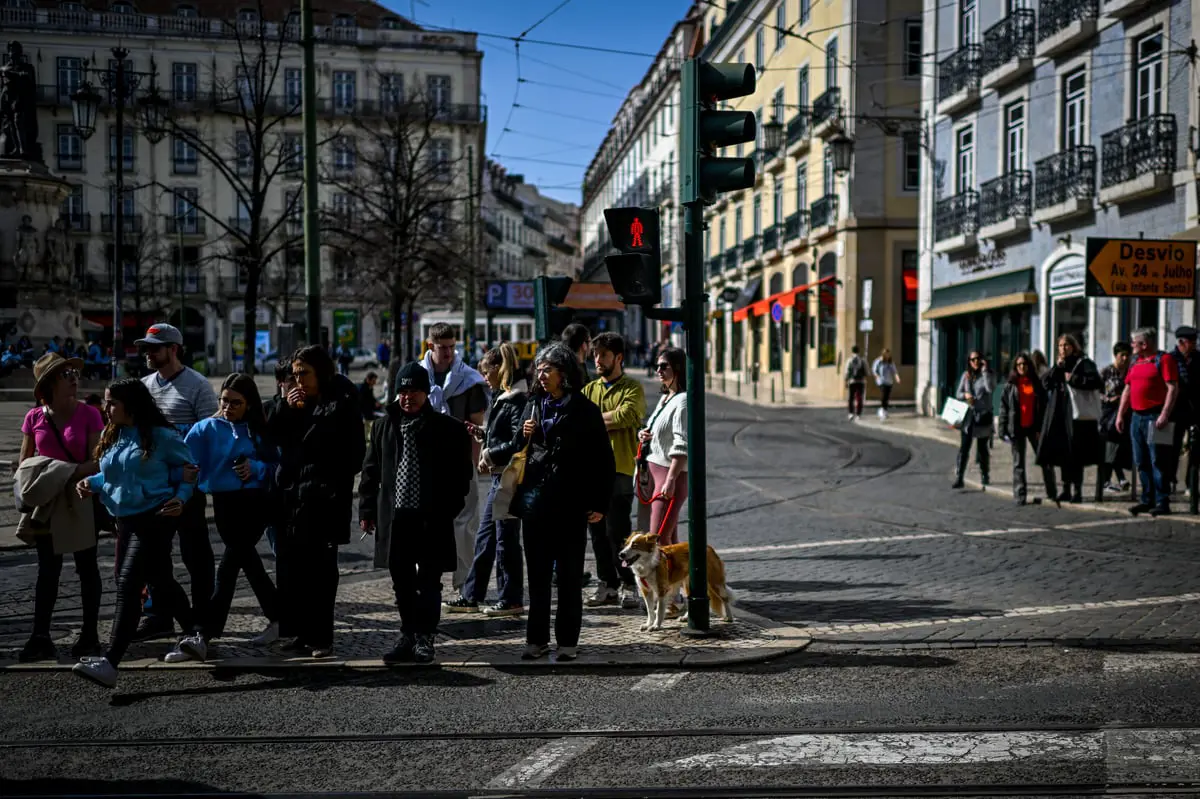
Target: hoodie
x=129, y=484
x=215, y=444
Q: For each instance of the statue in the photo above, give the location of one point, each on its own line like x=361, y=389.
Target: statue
x=18, y=108
x=27, y=251
x=57, y=263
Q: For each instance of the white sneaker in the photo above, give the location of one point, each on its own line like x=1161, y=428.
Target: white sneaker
x=566, y=653
x=191, y=647
x=630, y=599
x=849, y=417
x=603, y=595
x=99, y=671
x=268, y=636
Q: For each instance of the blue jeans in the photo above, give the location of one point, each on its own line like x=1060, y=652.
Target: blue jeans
x=497, y=542
x=1146, y=459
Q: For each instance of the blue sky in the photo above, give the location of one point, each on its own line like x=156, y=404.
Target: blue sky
x=619, y=24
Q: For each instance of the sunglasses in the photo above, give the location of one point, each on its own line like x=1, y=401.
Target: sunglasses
x=974, y=360
x=661, y=367
x=70, y=374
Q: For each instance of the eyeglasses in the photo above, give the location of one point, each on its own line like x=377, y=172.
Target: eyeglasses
x=662, y=367
x=70, y=374
x=974, y=359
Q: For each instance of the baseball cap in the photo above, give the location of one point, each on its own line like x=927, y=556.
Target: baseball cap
x=161, y=333
x=412, y=377
x=1186, y=331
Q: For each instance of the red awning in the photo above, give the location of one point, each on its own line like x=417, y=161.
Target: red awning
x=784, y=298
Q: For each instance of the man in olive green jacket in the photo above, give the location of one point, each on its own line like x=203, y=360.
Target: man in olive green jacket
x=622, y=401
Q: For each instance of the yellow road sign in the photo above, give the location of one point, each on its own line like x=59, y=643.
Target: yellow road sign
x=1152, y=268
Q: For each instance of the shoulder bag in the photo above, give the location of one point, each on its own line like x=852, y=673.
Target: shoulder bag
x=511, y=479
x=103, y=519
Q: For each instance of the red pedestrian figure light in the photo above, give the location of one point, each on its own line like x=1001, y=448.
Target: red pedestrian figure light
x=636, y=231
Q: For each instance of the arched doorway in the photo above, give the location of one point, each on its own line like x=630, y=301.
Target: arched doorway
x=1068, y=306
x=800, y=328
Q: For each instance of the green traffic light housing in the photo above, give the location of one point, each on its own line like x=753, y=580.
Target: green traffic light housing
x=705, y=129
x=549, y=320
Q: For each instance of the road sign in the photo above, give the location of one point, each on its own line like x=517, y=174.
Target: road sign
x=777, y=312
x=1151, y=268
x=866, y=325
x=868, y=289
x=509, y=295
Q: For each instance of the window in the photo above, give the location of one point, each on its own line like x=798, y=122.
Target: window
x=391, y=91
x=343, y=207
x=121, y=8
x=831, y=64
x=760, y=48
x=721, y=236
x=243, y=152
x=437, y=220
x=187, y=218
x=183, y=154
x=183, y=82
x=802, y=186
x=438, y=90
x=1074, y=113
x=343, y=21
x=293, y=204
x=964, y=160
x=912, y=161
x=246, y=85
x=1148, y=79
x=70, y=76
x=293, y=87
x=757, y=221
x=777, y=204
x=247, y=16
x=70, y=149
x=344, y=157
x=802, y=90
x=780, y=25
x=61, y=6
x=737, y=226
x=968, y=23
x=1014, y=137
x=127, y=205
x=777, y=107
x=439, y=156
x=827, y=176
x=389, y=24
x=72, y=207
x=912, y=48
x=712, y=26
x=908, y=308
x=827, y=312
x=128, y=151
x=292, y=152
x=344, y=91
x=805, y=10
x=343, y=270
x=188, y=12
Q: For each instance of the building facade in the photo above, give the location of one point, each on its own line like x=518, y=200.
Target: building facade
x=178, y=208
x=1052, y=122
x=528, y=234
x=637, y=165
x=820, y=262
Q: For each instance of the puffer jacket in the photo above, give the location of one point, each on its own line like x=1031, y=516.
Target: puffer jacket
x=503, y=425
x=321, y=448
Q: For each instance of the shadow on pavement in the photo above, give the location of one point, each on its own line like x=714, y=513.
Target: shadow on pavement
x=15, y=789
x=811, y=586
x=800, y=612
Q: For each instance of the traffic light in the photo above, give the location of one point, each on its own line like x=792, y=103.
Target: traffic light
x=635, y=272
x=548, y=319
x=705, y=129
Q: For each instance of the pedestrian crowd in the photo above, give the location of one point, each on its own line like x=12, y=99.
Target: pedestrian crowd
x=1133, y=415
x=565, y=457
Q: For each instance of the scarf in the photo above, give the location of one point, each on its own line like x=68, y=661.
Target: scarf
x=461, y=378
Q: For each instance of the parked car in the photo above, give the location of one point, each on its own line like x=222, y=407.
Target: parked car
x=364, y=359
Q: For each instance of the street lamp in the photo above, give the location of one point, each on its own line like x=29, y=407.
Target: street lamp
x=773, y=135
x=121, y=82
x=841, y=149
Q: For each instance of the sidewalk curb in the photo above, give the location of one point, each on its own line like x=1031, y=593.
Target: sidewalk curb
x=789, y=640
x=1111, y=508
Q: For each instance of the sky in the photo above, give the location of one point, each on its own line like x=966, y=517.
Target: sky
x=586, y=88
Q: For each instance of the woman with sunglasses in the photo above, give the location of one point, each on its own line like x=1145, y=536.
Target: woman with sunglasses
x=236, y=463
x=64, y=429
x=665, y=436
x=975, y=388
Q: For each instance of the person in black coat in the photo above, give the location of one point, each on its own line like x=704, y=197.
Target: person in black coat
x=1022, y=412
x=568, y=484
x=414, y=483
x=319, y=430
x=1068, y=443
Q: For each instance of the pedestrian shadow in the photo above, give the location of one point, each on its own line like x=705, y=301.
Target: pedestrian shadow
x=802, y=586
x=803, y=612
x=771, y=557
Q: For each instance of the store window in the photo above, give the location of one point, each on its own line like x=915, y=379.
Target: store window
x=908, y=308
x=1068, y=305
x=827, y=312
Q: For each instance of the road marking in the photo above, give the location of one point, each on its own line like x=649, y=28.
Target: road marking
x=541, y=764
x=908, y=749
x=1008, y=531
x=1105, y=523
x=1122, y=663
x=1046, y=610
x=659, y=681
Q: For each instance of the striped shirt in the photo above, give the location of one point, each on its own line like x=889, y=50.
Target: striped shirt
x=184, y=399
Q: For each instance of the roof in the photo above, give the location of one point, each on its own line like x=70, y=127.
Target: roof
x=367, y=14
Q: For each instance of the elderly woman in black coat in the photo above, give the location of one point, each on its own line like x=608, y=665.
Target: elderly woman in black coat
x=1066, y=442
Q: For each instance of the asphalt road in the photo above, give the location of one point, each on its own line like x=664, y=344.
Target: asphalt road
x=958, y=639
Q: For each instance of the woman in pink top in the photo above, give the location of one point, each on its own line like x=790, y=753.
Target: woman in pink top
x=63, y=428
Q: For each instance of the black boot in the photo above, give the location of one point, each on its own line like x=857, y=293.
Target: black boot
x=38, y=647
x=958, y=481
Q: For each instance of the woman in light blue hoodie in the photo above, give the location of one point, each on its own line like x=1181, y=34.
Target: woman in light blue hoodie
x=236, y=463
x=141, y=481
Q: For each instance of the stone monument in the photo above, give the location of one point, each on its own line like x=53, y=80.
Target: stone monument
x=38, y=294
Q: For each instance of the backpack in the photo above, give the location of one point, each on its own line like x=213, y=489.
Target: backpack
x=858, y=368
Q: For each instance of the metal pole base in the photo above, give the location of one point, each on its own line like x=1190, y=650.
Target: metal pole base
x=697, y=609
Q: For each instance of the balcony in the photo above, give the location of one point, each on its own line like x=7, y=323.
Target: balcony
x=1005, y=205
x=1063, y=24
x=770, y=242
x=795, y=229
x=827, y=113
x=78, y=223
x=131, y=223
x=1138, y=159
x=797, y=133
x=959, y=79
x=822, y=217
x=715, y=265
x=1064, y=184
x=174, y=285
x=185, y=166
x=752, y=249
x=128, y=163
x=1123, y=8
x=186, y=225
x=1008, y=48
x=956, y=222
x=732, y=257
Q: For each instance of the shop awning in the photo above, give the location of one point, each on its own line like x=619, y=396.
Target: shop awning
x=1001, y=291
x=784, y=298
x=593, y=297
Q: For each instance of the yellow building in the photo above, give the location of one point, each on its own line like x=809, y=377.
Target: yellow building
x=799, y=248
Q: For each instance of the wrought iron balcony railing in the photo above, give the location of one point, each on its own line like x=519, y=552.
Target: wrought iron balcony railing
x=770, y=238
x=715, y=265
x=795, y=225
x=827, y=107
x=186, y=225
x=1006, y=197
x=132, y=223
x=751, y=248
x=733, y=257
x=1054, y=15
x=959, y=71
x=798, y=127
x=79, y=223
x=823, y=211
x=956, y=216
x=1064, y=176
x=1144, y=147
x=1009, y=39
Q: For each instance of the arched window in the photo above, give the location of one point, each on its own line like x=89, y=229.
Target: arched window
x=343, y=21
x=186, y=11
x=122, y=8
x=799, y=275
x=389, y=24
x=776, y=284
x=827, y=312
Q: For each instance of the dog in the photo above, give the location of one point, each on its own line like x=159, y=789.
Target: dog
x=663, y=570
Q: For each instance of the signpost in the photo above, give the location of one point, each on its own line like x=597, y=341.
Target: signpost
x=867, y=325
x=1150, y=268
x=509, y=295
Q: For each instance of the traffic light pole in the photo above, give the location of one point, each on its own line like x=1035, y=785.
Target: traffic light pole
x=694, y=304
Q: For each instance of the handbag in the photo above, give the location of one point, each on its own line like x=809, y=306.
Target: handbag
x=1085, y=404
x=955, y=411
x=510, y=480
x=642, y=481
x=982, y=424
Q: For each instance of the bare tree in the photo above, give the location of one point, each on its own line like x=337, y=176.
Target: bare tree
x=401, y=213
x=266, y=146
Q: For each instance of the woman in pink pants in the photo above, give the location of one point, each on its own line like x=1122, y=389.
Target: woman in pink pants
x=666, y=437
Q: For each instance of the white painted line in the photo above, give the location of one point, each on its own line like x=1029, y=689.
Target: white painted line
x=1105, y=523
x=1124, y=663
x=908, y=749
x=1047, y=610
x=1010, y=530
x=1152, y=755
x=541, y=764
x=659, y=681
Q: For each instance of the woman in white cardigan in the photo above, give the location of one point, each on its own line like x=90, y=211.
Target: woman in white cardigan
x=666, y=436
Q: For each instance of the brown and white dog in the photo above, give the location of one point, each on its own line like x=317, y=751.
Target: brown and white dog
x=663, y=570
